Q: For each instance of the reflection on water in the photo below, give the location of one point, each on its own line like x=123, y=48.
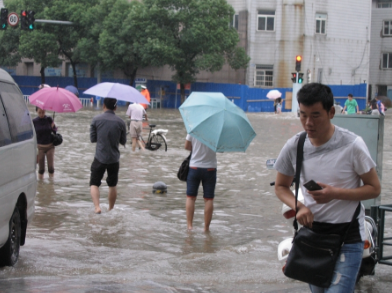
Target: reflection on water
x=143, y=244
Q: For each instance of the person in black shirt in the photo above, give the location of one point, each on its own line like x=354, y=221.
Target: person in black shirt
x=44, y=126
x=108, y=131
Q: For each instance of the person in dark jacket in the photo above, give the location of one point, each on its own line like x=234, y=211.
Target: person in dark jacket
x=44, y=126
x=108, y=131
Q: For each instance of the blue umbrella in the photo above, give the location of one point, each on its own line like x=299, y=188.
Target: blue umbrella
x=72, y=89
x=217, y=122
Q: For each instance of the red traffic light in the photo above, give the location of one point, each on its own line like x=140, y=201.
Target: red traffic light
x=24, y=13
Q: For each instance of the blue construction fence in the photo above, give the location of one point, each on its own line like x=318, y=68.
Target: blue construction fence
x=247, y=98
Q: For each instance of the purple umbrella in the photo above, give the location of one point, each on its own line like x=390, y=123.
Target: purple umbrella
x=118, y=91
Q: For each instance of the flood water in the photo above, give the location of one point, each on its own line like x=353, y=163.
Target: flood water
x=143, y=244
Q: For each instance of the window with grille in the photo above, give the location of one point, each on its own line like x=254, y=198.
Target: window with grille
x=387, y=61
x=266, y=20
x=235, y=22
x=321, y=22
x=384, y=4
x=264, y=76
x=387, y=28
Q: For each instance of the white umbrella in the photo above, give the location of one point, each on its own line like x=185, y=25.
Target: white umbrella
x=274, y=94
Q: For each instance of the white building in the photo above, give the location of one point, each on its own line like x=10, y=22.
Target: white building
x=380, y=69
x=332, y=36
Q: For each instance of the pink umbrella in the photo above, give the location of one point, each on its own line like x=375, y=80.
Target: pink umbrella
x=55, y=99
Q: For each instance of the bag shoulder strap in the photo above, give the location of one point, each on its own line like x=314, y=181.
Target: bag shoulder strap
x=298, y=165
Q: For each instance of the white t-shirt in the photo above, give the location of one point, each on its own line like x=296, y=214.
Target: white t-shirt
x=135, y=111
x=202, y=155
x=339, y=162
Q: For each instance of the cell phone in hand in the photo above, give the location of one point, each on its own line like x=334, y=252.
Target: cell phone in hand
x=311, y=185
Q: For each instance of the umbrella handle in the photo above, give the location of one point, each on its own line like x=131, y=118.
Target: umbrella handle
x=53, y=115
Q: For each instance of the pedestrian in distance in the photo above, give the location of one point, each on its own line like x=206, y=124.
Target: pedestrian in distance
x=279, y=106
x=202, y=169
x=380, y=106
x=108, y=131
x=44, y=126
x=374, y=107
x=146, y=94
x=135, y=112
x=351, y=105
x=339, y=161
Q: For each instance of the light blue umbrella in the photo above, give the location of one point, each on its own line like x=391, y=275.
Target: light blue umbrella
x=217, y=122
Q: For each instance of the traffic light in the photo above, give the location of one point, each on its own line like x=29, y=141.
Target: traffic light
x=23, y=20
x=300, y=77
x=3, y=19
x=30, y=19
x=294, y=77
x=298, y=60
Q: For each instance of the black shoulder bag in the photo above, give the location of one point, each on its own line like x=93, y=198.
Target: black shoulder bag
x=182, y=173
x=313, y=256
x=57, y=138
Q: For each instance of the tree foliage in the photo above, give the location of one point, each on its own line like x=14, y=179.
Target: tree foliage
x=188, y=35
x=116, y=41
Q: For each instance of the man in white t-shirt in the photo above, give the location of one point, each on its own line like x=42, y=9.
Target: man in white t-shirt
x=135, y=112
x=339, y=161
x=202, y=168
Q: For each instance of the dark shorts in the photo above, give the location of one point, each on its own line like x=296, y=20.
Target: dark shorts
x=98, y=170
x=208, y=179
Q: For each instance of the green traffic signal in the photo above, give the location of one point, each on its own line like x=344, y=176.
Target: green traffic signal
x=30, y=19
x=300, y=77
x=3, y=18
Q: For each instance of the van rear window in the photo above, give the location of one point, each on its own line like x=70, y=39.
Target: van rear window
x=18, y=115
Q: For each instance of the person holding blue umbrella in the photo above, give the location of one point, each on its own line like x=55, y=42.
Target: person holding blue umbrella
x=202, y=169
x=214, y=124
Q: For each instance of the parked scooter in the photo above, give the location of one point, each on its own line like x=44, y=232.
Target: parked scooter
x=369, y=259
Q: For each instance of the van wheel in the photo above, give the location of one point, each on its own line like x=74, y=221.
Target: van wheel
x=9, y=253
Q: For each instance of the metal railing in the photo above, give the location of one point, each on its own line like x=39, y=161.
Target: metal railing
x=26, y=98
x=378, y=214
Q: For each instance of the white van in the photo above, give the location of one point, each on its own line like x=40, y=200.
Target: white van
x=18, y=180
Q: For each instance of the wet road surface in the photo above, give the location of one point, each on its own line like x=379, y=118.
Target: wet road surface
x=143, y=244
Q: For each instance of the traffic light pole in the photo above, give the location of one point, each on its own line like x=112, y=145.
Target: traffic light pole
x=296, y=77
x=63, y=22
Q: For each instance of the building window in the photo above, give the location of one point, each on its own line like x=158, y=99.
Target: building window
x=266, y=20
x=321, y=21
x=384, y=4
x=388, y=28
x=235, y=22
x=264, y=76
x=54, y=71
x=387, y=61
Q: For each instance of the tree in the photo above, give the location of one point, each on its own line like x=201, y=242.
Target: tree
x=67, y=37
x=116, y=41
x=189, y=36
x=91, y=19
x=9, y=40
x=42, y=48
